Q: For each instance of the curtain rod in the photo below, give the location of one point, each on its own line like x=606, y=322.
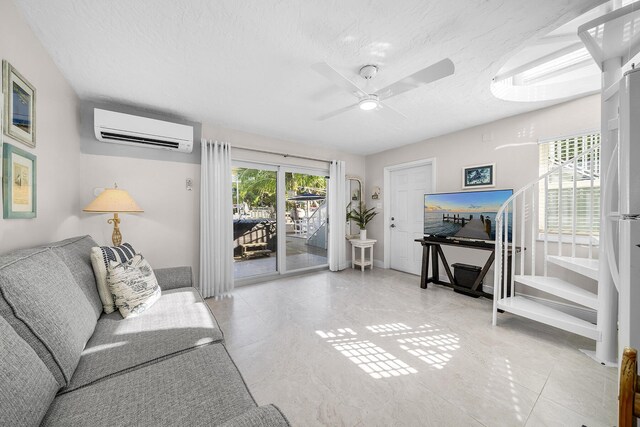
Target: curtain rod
x=280, y=154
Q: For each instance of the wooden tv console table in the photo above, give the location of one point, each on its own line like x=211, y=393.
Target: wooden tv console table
x=433, y=245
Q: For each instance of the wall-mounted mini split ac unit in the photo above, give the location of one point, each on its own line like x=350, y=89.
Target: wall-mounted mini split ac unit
x=120, y=128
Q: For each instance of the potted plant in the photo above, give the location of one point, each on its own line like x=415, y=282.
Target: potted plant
x=362, y=216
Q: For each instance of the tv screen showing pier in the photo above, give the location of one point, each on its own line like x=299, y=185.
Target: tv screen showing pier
x=467, y=215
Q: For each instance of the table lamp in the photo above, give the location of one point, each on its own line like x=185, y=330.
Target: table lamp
x=113, y=200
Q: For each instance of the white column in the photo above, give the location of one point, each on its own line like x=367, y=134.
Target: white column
x=606, y=348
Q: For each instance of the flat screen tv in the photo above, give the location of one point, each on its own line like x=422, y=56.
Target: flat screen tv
x=467, y=215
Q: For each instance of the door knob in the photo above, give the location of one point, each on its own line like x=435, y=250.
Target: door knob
x=392, y=218
x=393, y=226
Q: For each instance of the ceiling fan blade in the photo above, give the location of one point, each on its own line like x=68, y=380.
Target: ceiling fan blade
x=331, y=74
x=427, y=75
x=390, y=111
x=335, y=113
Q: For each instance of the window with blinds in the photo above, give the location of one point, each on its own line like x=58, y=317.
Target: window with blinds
x=577, y=187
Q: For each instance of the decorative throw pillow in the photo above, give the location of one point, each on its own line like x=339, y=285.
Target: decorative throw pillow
x=134, y=287
x=101, y=256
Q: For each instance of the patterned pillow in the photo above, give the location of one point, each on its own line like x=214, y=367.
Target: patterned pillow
x=133, y=286
x=101, y=256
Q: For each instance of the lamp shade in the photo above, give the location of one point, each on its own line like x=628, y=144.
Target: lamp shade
x=113, y=200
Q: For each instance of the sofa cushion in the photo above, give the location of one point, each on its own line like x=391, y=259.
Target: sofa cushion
x=174, y=277
x=43, y=303
x=198, y=387
x=178, y=321
x=100, y=258
x=263, y=416
x=76, y=254
x=27, y=387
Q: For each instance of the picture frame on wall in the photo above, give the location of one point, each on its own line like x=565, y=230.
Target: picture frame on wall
x=479, y=176
x=19, y=118
x=19, y=183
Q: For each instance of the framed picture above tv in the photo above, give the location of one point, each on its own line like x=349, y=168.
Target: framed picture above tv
x=480, y=176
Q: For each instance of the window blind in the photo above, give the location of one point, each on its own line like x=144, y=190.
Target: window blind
x=561, y=196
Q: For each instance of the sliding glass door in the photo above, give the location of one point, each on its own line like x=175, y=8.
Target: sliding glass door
x=306, y=218
x=255, y=220
x=278, y=210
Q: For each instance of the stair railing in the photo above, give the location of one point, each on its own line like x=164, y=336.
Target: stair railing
x=317, y=219
x=521, y=222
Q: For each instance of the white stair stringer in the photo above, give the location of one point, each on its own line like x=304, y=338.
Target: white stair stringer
x=560, y=288
x=522, y=306
x=585, y=266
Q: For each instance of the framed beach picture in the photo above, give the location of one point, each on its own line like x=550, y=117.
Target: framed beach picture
x=19, y=183
x=480, y=176
x=19, y=116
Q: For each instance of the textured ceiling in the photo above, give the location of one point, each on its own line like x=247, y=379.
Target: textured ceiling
x=246, y=64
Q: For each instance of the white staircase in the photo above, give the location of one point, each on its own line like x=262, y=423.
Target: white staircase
x=585, y=266
x=546, y=241
x=317, y=230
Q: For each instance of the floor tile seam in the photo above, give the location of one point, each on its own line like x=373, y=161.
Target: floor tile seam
x=573, y=411
x=539, y=396
x=454, y=404
x=426, y=386
x=596, y=416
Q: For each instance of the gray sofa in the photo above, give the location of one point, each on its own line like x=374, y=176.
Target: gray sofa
x=64, y=362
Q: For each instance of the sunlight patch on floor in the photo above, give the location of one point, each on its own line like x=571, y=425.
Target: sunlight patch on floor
x=369, y=357
x=374, y=360
x=435, y=350
x=389, y=327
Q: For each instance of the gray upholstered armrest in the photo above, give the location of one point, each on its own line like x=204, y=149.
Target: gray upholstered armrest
x=174, y=277
x=262, y=416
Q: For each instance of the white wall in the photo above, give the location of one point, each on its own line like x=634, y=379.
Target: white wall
x=58, y=141
x=167, y=233
x=511, y=143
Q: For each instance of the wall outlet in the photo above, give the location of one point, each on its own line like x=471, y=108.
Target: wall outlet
x=379, y=205
x=189, y=184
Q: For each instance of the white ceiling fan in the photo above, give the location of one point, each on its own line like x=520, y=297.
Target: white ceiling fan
x=373, y=101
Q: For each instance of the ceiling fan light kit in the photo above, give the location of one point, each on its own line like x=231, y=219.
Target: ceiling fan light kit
x=369, y=102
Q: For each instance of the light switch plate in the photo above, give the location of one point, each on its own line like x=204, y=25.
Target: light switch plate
x=189, y=184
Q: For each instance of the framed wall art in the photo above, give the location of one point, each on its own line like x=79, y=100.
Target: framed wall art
x=19, y=183
x=481, y=176
x=19, y=116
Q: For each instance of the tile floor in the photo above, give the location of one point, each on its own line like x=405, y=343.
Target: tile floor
x=372, y=348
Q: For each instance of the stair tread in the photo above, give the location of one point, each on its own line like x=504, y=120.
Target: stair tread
x=525, y=307
x=585, y=266
x=561, y=288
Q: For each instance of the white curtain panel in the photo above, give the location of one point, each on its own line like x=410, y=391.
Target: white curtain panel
x=216, y=220
x=337, y=216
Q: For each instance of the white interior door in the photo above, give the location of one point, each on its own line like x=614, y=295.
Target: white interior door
x=408, y=187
